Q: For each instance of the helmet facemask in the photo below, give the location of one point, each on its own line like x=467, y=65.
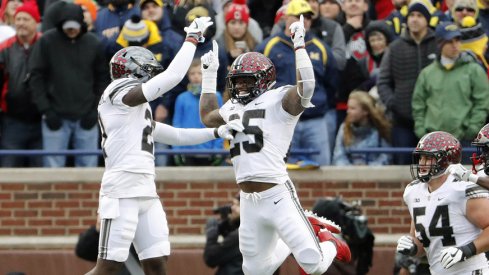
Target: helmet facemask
x=248, y=82
x=146, y=71
x=435, y=164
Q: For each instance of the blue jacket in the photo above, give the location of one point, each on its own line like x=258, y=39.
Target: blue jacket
x=110, y=22
x=365, y=137
x=187, y=116
x=280, y=50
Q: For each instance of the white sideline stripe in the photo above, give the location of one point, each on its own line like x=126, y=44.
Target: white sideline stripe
x=177, y=241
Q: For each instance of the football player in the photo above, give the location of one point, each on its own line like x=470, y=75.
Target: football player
x=480, y=161
x=449, y=217
x=273, y=223
x=129, y=206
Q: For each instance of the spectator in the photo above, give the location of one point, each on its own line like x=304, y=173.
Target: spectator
x=352, y=76
x=89, y=8
x=264, y=13
x=182, y=8
x=68, y=75
x=475, y=40
x=400, y=67
x=397, y=19
x=7, y=10
x=253, y=26
x=326, y=29
x=21, y=122
x=225, y=254
x=331, y=9
x=187, y=116
x=378, y=36
x=311, y=131
x=455, y=86
x=236, y=37
x=365, y=127
x=110, y=20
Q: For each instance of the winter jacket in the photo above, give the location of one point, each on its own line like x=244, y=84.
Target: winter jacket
x=68, y=75
x=280, y=50
x=400, y=67
x=16, y=95
x=364, y=137
x=454, y=101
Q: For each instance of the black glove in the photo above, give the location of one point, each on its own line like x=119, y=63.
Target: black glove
x=88, y=121
x=52, y=120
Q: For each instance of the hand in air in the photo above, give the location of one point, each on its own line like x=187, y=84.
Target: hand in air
x=210, y=60
x=298, y=32
x=197, y=28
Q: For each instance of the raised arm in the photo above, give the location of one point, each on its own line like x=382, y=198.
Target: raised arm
x=299, y=97
x=209, y=107
x=165, y=81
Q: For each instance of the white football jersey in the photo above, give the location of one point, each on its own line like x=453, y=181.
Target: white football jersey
x=127, y=143
x=258, y=153
x=440, y=221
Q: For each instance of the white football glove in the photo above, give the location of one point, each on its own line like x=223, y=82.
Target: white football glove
x=198, y=27
x=209, y=66
x=451, y=256
x=210, y=60
x=298, y=32
x=461, y=173
x=406, y=246
x=226, y=131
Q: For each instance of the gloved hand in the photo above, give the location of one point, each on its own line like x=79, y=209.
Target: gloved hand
x=197, y=28
x=297, y=33
x=89, y=120
x=52, y=120
x=406, y=246
x=226, y=131
x=460, y=173
x=209, y=66
x=453, y=255
x=210, y=60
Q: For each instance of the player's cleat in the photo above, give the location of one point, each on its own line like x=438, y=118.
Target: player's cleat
x=343, y=253
x=319, y=223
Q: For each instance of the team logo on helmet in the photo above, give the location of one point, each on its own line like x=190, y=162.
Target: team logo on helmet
x=441, y=149
x=255, y=66
x=135, y=62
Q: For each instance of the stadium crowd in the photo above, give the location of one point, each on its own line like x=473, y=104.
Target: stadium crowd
x=387, y=72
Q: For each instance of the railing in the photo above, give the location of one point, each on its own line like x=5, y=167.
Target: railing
x=157, y=152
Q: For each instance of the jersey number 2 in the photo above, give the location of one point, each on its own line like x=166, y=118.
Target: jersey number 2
x=445, y=230
x=249, y=130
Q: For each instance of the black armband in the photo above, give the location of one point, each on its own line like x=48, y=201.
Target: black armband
x=216, y=133
x=468, y=250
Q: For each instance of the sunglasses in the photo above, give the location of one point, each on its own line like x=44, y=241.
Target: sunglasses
x=459, y=9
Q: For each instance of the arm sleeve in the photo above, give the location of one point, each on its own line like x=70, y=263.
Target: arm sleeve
x=168, y=79
x=167, y=134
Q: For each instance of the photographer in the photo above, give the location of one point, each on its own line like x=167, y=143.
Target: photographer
x=224, y=255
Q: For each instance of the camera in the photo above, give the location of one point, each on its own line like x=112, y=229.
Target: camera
x=223, y=211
